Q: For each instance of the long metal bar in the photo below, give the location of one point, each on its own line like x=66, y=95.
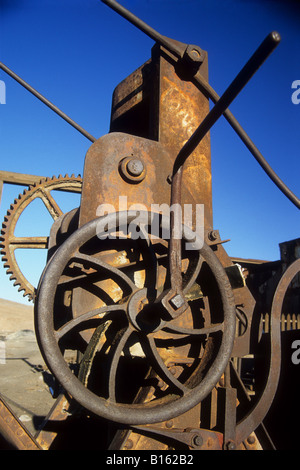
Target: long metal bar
x=47, y=102
x=23, y=179
x=253, y=64
x=148, y=30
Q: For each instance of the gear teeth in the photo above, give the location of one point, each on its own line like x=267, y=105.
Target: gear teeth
x=10, y=264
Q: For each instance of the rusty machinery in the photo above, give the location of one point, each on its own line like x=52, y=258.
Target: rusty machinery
x=159, y=333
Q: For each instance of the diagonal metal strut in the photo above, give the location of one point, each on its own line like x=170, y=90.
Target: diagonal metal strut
x=46, y=102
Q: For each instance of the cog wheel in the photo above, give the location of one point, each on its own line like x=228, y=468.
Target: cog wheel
x=9, y=242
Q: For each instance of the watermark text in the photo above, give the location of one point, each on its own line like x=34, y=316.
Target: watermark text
x=2, y=92
x=188, y=222
x=296, y=94
x=296, y=354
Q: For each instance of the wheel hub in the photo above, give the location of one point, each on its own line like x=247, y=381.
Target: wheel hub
x=143, y=313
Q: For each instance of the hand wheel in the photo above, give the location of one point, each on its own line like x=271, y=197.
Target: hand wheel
x=182, y=358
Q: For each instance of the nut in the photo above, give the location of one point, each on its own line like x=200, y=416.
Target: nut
x=177, y=301
x=132, y=169
x=194, y=55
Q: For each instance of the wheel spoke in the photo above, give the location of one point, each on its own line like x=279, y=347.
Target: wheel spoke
x=195, y=269
x=97, y=312
x=160, y=367
x=115, y=361
x=213, y=328
x=149, y=258
x=98, y=263
x=28, y=242
x=86, y=362
x=52, y=206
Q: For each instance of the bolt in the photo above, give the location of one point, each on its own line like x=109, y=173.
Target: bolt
x=194, y=54
x=213, y=235
x=197, y=441
x=169, y=424
x=135, y=167
x=230, y=445
x=129, y=444
x=251, y=440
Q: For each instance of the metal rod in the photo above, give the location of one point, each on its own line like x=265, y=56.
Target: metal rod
x=257, y=59
x=144, y=27
x=253, y=64
x=46, y=102
x=200, y=82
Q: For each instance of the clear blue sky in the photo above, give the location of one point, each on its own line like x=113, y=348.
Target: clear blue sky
x=76, y=51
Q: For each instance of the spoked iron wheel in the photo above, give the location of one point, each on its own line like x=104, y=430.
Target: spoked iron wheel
x=125, y=331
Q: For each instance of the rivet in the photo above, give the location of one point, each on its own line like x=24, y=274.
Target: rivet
x=129, y=444
x=135, y=167
x=197, y=441
x=251, y=440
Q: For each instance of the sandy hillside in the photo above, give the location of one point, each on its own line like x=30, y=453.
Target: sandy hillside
x=15, y=317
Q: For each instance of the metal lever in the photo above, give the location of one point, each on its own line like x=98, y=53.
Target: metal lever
x=253, y=64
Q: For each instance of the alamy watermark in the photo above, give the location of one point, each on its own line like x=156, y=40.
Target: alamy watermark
x=2, y=92
x=296, y=354
x=2, y=352
x=296, y=94
x=188, y=222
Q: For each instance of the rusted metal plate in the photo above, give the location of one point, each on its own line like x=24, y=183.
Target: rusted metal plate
x=50, y=428
x=13, y=430
x=154, y=102
x=104, y=182
x=180, y=110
